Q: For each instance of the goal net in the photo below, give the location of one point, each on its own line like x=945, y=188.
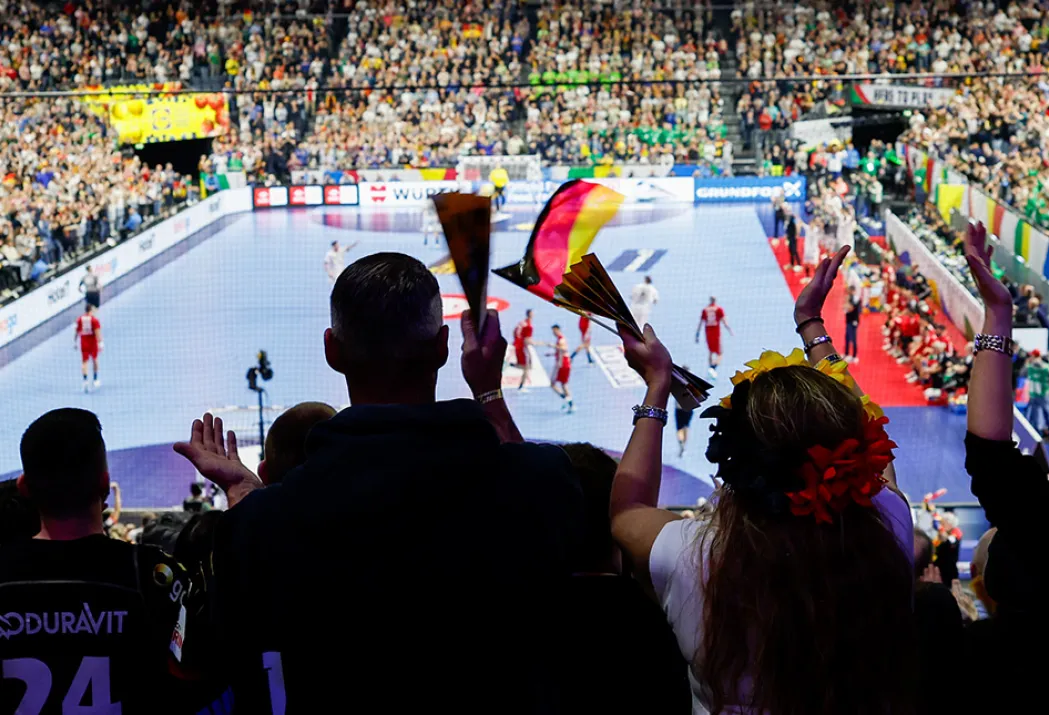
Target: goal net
x=523, y=167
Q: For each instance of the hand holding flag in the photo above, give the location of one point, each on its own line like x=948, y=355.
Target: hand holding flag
x=467, y=223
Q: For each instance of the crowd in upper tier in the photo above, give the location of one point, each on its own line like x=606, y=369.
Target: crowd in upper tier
x=421, y=84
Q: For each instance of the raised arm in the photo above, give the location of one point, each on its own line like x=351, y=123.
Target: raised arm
x=808, y=310
x=482, y=366
x=990, y=406
x=1004, y=480
x=808, y=316
x=636, y=522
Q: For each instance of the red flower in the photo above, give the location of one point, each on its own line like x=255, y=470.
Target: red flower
x=851, y=472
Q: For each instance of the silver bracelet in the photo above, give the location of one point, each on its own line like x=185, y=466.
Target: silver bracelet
x=650, y=412
x=994, y=343
x=818, y=340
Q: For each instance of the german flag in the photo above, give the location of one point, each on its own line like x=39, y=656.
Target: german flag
x=563, y=233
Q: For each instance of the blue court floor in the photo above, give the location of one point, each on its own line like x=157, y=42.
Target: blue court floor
x=180, y=341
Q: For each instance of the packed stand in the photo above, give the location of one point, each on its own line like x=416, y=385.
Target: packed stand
x=577, y=114
x=65, y=192
x=269, y=135
x=993, y=131
x=458, y=48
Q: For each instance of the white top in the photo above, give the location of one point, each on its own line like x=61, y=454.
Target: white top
x=644, y=295
x=333, y=263
x=674, y=565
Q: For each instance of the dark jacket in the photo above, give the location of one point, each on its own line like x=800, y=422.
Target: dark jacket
x=1012, y=490
x=410, y=564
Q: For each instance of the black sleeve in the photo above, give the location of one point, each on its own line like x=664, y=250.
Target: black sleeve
x=1008, y=484
x=1002, y=479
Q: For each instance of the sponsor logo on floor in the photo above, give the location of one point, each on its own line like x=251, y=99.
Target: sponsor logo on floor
x=612, y=362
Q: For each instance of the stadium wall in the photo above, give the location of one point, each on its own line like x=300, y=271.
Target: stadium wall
x=119, y=267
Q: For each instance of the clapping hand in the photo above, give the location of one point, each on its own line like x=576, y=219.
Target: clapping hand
x=810, y=301
x=214, y=455
x=996, y=297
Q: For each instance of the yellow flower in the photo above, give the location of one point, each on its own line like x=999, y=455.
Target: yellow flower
x=872, y=408
x=838, y=371
x=769, y=360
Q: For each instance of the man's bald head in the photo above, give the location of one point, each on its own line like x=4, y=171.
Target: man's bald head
x=286, y=440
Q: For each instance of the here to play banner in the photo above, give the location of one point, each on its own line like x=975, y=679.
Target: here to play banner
x=899, y=96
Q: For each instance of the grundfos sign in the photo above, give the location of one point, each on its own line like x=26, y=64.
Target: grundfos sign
x=793, y=188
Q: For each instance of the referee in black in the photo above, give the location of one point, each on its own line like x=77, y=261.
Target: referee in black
x=91, y=287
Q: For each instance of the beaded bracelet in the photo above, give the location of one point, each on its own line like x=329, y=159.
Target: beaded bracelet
x=994, y=343
x=650, y=412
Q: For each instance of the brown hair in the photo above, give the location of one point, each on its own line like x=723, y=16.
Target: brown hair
x=817, y=618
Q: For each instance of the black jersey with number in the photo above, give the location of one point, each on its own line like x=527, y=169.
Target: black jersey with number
x=91, y=623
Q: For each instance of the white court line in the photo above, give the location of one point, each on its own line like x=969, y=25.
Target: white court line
x=537, y=376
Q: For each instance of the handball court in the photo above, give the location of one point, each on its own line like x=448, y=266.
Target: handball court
x=180, y=341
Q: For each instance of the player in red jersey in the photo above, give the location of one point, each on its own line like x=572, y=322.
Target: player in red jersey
x=523, y=339
x=563, y=368
x=584, y=343
x=89, y=339
x=712, y=318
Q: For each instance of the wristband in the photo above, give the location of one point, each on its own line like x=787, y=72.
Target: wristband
x=832, y=358
x=994, y=343
x=802, y=324
x=491, y=396
x=818, y=340
x=649, y=412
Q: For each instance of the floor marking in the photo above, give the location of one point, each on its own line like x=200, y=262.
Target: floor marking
x=537, y=376
x=613, y=363
x=642, y=259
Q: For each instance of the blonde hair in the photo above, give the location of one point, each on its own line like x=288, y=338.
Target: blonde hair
x=797, y=406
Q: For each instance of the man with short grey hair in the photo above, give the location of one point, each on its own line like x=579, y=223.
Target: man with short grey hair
x=417, y=554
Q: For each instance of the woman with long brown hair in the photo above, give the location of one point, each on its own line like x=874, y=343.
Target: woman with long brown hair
x=793, y=596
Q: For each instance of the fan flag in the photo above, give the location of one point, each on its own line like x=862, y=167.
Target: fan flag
x=562, y=234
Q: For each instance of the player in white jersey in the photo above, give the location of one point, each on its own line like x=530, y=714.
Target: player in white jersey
x=642, y=298
x=334, y=260
x=431, y=224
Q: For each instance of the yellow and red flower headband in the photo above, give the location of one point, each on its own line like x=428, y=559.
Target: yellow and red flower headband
x=819, y=482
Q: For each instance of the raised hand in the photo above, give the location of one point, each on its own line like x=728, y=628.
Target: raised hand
x=810, y=301
x=649, y=358
x=483, y=355
x=996, y=296
x=214, y=455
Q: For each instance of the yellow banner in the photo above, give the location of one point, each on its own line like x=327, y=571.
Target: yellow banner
x=159, y=118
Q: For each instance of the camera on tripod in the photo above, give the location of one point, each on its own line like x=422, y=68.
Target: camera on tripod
x=262, y=369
